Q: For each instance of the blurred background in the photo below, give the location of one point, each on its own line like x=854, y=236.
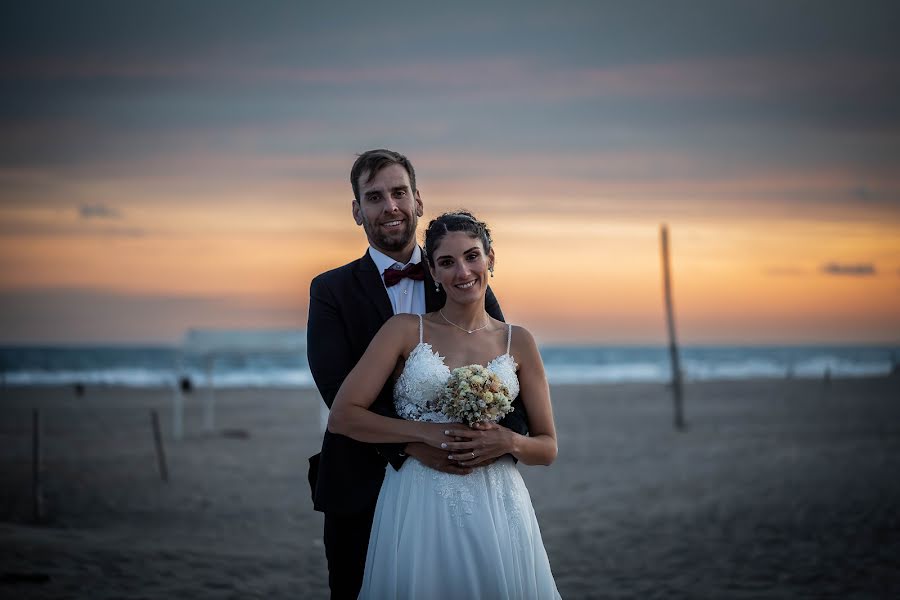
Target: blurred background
x=171, y=166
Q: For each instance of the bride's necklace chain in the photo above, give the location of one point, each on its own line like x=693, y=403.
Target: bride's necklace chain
x=441, y=311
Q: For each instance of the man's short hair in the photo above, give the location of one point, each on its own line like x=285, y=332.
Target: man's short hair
x=373, y=161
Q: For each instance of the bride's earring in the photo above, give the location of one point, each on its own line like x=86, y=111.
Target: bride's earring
x=491, y=269
x=437, y=286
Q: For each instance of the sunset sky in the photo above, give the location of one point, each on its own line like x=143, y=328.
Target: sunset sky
x=166, y=165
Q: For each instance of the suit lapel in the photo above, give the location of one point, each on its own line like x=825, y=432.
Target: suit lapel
x=373, y=286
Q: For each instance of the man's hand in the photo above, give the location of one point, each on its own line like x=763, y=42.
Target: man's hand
x=435, y=458
x=481, y=445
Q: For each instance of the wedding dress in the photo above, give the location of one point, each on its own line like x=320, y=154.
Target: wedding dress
x=438, y=535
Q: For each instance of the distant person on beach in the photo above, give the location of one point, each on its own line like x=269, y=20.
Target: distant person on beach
x=347, y=307
x=439, y=534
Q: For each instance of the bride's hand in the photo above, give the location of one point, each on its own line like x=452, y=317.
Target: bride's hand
x=480, y=445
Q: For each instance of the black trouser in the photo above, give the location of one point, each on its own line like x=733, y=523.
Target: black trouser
x=346, y=541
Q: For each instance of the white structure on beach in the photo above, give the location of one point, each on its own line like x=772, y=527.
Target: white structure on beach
x=209, y=345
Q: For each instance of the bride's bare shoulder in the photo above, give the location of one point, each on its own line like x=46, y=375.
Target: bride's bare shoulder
x=521, y=341
x=402, y=323
x=518, y=333
x=398, y=334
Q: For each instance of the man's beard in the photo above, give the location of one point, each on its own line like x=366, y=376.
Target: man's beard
x=392, y=243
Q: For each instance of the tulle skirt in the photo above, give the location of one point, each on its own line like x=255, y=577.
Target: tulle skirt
x=437, y=535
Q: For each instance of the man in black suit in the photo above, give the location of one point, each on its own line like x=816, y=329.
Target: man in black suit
x=347, y=306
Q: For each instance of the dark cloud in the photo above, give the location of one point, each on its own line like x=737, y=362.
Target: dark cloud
x=862, y=193
x=884, y=195
x=97, y=211
x=586, y=30
x=851, y=269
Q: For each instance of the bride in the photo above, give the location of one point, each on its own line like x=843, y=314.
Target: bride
x=435, y=534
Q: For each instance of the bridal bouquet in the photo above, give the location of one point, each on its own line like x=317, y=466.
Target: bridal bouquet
x=475, y=393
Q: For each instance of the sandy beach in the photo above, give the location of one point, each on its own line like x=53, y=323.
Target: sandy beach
x=778, y=489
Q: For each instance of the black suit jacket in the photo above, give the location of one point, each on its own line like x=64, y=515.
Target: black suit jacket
x=347, y=307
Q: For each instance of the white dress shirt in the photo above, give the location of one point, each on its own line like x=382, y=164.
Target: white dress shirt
x=407, y=295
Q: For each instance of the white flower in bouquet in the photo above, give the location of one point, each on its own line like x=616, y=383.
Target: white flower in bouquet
x=475, y=393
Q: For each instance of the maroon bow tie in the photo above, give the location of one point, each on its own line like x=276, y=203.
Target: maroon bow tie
x=393, y=276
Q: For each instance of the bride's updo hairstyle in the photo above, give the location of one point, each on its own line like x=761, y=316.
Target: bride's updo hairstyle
x=459, y=220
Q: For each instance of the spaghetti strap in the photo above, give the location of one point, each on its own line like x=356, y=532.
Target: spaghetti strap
x=508, y=337
x=420, y=330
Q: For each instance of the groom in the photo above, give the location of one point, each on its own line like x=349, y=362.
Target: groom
x=347, y=306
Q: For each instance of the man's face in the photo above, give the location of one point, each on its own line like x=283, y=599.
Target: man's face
x=388, y=211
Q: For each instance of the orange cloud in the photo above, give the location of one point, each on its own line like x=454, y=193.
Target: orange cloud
x=576, y=260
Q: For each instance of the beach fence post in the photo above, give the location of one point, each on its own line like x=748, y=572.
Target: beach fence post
x=209, y=409
x=37, y=492
x=177, y=413
x=677, y=392
x=178, y=401
x=160, y=451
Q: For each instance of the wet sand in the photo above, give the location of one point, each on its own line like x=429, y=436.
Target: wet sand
x=778, y=489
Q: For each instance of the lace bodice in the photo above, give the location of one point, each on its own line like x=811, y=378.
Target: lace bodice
x=418, y=389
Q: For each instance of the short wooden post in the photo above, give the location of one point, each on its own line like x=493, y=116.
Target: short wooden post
x=178, y=392
x=673, y=343
x=160, y=452
x=209, y=412
x=177, y=414
x=37, y=492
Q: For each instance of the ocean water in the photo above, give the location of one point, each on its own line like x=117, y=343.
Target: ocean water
x=163, y=366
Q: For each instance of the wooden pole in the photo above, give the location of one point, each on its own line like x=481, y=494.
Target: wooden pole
x=677, y=393
x=178, y=399
x=177, y=413
x=160, y=452
x=209, y=412
x=37, y=492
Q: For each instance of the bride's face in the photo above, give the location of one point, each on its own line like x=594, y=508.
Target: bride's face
x=461, y=266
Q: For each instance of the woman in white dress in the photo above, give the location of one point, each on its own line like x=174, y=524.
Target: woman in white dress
x=435, y=534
